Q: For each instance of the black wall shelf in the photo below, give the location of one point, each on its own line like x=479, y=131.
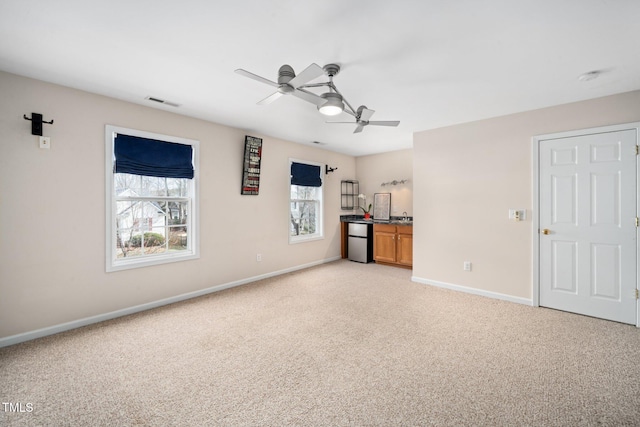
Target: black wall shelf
x=349, y=190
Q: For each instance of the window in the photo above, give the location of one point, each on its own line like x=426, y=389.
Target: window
x=305, y=202
x=152, y=205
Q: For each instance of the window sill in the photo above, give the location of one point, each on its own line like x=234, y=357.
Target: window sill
x=303, y=239
x=122, y=264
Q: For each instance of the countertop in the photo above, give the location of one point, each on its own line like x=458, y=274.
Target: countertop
x=395, y=220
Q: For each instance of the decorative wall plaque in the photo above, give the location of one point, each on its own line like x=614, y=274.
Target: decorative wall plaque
x=251, y=169
x=381, y=206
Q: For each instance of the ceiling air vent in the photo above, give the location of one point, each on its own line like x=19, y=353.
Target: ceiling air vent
x=162, y=101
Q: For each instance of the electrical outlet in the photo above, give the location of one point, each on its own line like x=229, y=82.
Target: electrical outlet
x=466, y=266
x=45, y=142
x=258, y=257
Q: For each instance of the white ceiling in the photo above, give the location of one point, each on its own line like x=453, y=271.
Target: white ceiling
x=428, y=63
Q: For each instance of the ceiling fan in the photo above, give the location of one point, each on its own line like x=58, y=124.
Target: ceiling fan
x=363, y=114
x=288, y=83
x=329, y=103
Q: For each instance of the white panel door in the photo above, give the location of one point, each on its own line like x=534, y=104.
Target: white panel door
x=587, y=224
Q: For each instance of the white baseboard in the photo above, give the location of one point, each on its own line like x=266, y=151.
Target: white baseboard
x=51, y=330
x=474, y=291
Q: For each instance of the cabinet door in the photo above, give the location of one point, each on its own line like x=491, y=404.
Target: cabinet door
x=405, y=249
x=344, y=237
x=384, y=246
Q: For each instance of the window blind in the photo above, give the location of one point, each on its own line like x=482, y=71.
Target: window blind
x=151, y=157
x=306, y=175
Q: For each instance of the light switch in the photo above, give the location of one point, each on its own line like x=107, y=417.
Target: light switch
x=45, y=142
x=518, y=214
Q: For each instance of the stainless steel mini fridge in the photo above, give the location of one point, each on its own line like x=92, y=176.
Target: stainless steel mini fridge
x=360, y=242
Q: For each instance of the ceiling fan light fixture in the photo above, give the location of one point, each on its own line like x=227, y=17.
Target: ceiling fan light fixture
x=333, y=106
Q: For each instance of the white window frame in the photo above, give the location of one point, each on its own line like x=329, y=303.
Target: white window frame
x=319, y=235
x=113, y=263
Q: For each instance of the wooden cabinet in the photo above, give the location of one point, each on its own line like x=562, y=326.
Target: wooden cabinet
x=405, y=245
x=393, y=244
x=384, y=243
x=344, y=238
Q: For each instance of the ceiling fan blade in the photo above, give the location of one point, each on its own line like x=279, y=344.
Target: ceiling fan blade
x=366, y=114
x=269, y=99
x=386, y=123
x=346, y=123
x=313, y=71
x=359, y=128
x=256, y=77
x=308, y=96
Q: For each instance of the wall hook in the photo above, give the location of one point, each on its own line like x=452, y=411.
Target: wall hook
x=36, y=123
x=327, y=169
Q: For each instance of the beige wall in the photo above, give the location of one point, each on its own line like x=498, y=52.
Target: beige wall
x=376, y=169
x=52, y=208
x=467, y=177
x=52, y=202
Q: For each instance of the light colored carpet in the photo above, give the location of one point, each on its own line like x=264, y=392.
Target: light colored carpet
x=342, y=344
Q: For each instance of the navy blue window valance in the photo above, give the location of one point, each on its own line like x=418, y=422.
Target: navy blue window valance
x=307, y=175
x=150, y=157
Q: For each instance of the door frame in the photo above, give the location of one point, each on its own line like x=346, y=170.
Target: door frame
x=535, y=211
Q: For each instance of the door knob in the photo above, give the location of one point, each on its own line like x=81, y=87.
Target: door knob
x=546, y=231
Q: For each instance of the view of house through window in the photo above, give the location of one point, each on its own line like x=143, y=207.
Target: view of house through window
x=151, y=214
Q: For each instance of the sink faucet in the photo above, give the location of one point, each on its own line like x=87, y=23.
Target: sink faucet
x=405, y=218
